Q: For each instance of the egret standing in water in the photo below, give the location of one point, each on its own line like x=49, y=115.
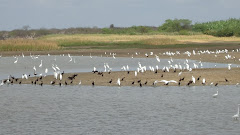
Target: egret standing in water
x=236, y=116
x=215, y=95
x=40, y=64
x=16, y=60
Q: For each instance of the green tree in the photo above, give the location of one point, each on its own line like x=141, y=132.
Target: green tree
x=176, y=25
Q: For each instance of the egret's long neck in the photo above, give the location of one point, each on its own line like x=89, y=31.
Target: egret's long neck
x=238, y=110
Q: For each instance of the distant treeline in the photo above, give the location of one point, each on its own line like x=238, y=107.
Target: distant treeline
x=222, y=28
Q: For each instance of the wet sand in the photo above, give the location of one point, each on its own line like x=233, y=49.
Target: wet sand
x=219, y=76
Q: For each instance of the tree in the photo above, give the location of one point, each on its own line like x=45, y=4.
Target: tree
x=26, y=27
x=176, y=25
x=111, y=26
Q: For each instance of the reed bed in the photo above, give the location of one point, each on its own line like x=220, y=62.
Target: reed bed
x=27, y=45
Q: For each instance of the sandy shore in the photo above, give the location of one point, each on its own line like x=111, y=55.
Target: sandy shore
x=219, y=76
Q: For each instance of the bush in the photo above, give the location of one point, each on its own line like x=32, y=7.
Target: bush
x=184, y=32
x=222, y=28
x=224, y=33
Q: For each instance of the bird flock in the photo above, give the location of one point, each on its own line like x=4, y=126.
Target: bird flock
x=171, y=66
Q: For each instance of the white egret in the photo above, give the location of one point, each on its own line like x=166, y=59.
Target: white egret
x=16, y=60
x=215, y=95
x=55, y=75
x=179, y=73
x=34, y=68
x=146, y=54
x=80, y=83
x=127, y=68
x=193, y=79
x=1, y=84
x=155, y=82
x=229, y=66
x=54, y=68
x=167, y=82
x=105, y=67
x=57, y=68
x=60, y=76
x=25, y=76
x=118, y=82
x=236, y=116
x=46, y=71
x=135, y=73
x=203, y=81
x=40, y=64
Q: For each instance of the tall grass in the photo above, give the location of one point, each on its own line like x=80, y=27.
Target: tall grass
x=27, y=45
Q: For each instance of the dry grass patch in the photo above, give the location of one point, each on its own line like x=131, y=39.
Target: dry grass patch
x=130, y=38
x=27, y=45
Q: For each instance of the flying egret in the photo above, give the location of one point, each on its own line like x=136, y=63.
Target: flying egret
x=215, y=95
x=167, y=82
x=236, y=116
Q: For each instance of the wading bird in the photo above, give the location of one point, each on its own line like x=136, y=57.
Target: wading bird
x=215, y=95
x=236, y=116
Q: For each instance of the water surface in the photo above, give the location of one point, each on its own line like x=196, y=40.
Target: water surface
x=29, y=109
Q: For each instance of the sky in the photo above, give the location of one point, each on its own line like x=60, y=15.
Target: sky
x=14, y=14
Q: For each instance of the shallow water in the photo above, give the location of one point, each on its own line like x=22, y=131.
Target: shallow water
x=29, y=109
x=84, y=64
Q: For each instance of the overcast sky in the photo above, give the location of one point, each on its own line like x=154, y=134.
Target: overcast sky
x=101, y=13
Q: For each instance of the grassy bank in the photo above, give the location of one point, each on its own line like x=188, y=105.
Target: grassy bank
x=113, y=41
x=27, y=45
